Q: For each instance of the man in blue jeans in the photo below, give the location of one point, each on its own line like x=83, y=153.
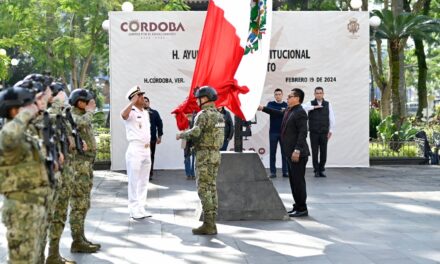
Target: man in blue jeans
x=275, y=133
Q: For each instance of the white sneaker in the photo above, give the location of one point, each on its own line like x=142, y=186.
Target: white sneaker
x=136, y=214
x=143, y=212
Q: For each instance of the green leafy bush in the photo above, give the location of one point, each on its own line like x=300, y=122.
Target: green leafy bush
x=378, y=150
x=103, y=144
x=388, y=131
x=99, y=119
x=374, y=122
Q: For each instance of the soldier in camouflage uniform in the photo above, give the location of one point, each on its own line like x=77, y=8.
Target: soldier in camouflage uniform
x=23, y=176
x=65, y=182
x=83, y=107
x=207, y=136
x=50, y=150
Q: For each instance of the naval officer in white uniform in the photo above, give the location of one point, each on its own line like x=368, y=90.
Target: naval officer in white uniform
x=138, y=155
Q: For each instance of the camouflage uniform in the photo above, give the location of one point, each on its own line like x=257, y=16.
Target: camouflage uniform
x=83, y=180
x=36, y=128
x=25, y=184
x=207, y=136
x=62, y=195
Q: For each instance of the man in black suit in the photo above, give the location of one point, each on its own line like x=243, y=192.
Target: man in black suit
x=296, y=150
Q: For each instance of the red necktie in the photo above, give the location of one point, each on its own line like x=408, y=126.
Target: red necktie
x=284, y=123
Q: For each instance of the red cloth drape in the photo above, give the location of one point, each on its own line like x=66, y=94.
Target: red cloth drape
x=219, y=56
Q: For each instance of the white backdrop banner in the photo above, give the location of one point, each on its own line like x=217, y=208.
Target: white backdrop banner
x=157, y=50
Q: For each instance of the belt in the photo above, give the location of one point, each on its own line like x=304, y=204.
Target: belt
x=208, y=148
x=27, y=198
x=138, y=143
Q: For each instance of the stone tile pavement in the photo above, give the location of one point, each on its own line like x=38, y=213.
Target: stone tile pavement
x=369, y=215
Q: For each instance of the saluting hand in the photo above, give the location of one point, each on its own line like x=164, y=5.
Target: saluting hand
x=61, y=158
x=32, y=108
x=134, y=98
x=85, y=148
x=91, y=106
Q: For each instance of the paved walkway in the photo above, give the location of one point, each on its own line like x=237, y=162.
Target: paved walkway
x=374, y=215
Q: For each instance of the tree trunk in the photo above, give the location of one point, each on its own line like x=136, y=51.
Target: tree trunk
x=402, y=83
x=422, y=91
x=394, y=77
x=74, y=71
x=379, y=79
x=364, y=5
x=304, y=5
x=84, y=70
x=385, y=103
x=397, y=8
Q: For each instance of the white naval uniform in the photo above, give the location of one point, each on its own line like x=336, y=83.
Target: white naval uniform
x=138, y=159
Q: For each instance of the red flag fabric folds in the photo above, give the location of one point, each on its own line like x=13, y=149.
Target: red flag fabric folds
x=219, y=56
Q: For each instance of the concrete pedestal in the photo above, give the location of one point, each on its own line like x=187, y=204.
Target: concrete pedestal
x=244, y=190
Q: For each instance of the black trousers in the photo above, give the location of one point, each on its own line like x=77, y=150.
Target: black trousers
x=318, y=141
x=153, y=151
x=297, y=171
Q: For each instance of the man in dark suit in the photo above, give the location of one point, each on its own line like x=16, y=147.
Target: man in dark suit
x=296, y=150
x=156, y=130
x=229, y=127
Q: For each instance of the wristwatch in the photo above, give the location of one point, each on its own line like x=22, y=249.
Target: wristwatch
x=296, y=151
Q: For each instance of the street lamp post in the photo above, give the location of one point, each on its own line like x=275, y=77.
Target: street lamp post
x=14, y=62
x=356, y=4
x=127, y=7
x=105, y=25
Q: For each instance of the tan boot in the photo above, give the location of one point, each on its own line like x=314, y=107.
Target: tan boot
x=208, y=227
x=55, y=257
x=90, y=243
x=79, y=245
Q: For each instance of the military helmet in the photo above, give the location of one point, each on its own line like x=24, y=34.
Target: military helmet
x=46, y=80
x=15, y=97
x=57, y=87
x=207, y=91
x=80, y=94
x=38, y=87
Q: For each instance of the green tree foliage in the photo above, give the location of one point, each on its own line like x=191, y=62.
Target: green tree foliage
x=65, y=36
x=321, y=5
x=4, y=65
x=396, y=30
x=176, y=5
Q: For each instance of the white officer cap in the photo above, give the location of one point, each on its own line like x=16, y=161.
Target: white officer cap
x=133, y=91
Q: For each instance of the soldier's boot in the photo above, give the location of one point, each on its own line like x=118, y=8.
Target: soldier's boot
x=90, y=243
x=208, y=227
x=55, y=257
x=79, y=245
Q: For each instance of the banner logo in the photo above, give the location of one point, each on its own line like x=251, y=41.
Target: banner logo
x=353, y=26
x=151, y=29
